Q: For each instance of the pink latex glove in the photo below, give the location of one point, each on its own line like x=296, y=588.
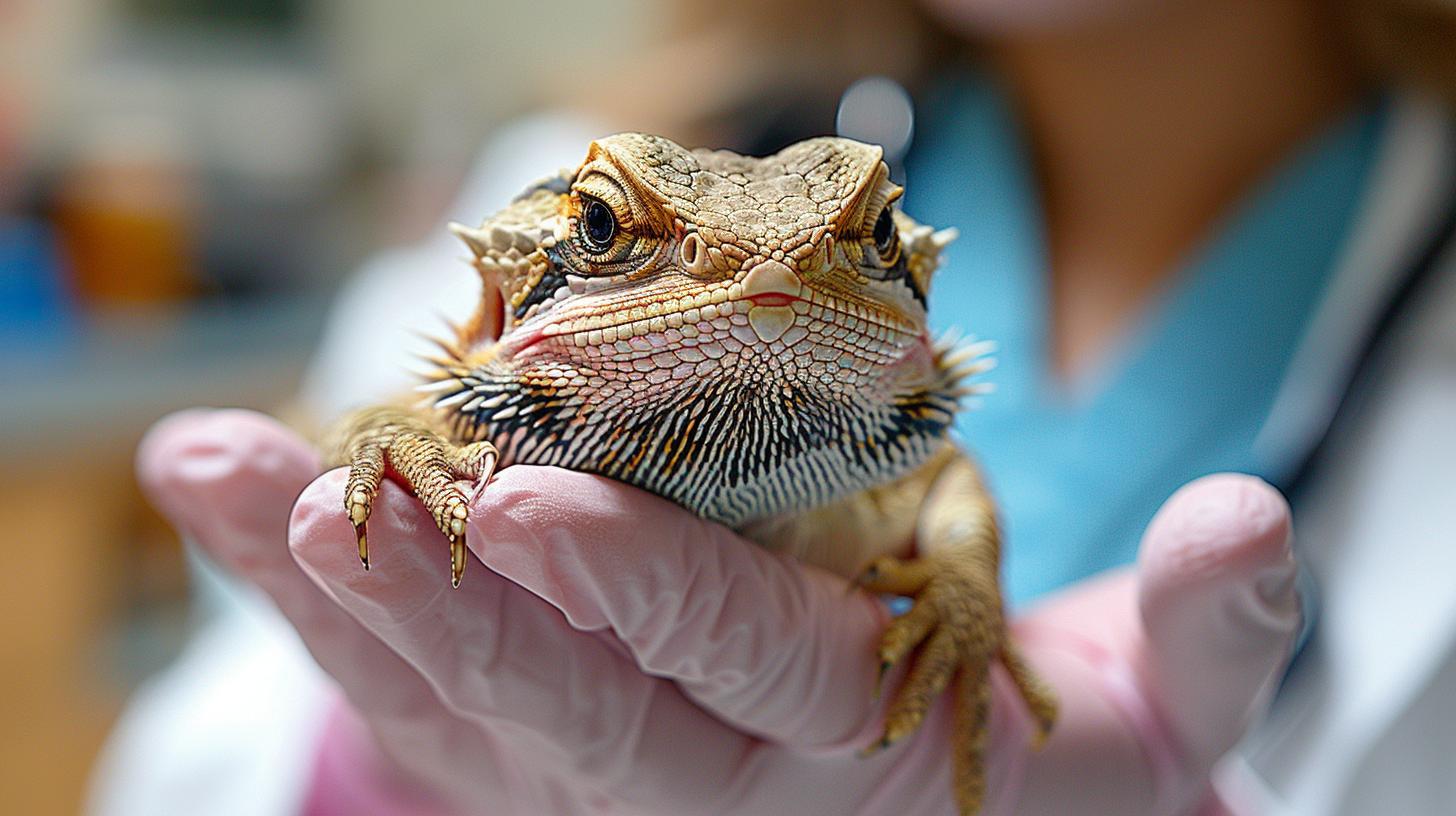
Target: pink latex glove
x=692, y=672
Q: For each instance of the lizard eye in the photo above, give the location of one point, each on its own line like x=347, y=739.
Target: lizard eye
x=886, y=237
x=598, y=225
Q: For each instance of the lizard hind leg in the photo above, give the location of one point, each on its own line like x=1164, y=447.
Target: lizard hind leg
x=955, y=630
x=376, y=442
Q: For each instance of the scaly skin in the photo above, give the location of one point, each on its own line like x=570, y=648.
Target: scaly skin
x=746, y=337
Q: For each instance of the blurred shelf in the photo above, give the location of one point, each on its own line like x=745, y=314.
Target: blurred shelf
x=105, y=380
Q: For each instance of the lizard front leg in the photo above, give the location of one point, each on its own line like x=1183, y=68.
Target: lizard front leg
x=397, y=442
x=957, y=624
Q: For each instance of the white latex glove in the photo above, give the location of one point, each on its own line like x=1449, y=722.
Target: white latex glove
x=617, y=654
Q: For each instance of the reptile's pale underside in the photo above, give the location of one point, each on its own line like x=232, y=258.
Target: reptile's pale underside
x=746, y=337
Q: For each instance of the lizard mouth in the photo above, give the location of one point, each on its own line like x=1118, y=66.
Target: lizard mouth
x=771, y=284
x=772, y=299
x=519, y=343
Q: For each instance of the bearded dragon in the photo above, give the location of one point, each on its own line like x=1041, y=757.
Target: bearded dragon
x=746, y=337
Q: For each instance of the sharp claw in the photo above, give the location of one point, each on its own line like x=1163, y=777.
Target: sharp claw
x=1041, y=734
x=865, y=576
x=363, y=545
x=487, y=470
x=358, y=507
x=457, y=560
x=875, y=747
x=458, y=516
x=880, y=679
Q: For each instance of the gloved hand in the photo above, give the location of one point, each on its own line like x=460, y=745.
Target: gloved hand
x=622, y=655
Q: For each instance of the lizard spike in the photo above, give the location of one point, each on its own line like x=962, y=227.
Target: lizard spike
x=436, y=373
x=968, y=366
x=966, y=345
x=973, y=390
x=960, y=376
x=444, y=345
x=957, y=355
x=970, y=363
x=940, y=239
x=477, y=240
x=497, y=240
x=454, y=399
x=985, y=347
x=949, y=339
x=438, y=386
x=451, y=325
x=507, y=239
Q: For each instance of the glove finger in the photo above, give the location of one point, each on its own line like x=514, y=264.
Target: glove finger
x=228, y=479
x=1159, y=669
x=766, y=644
x=1219, y=605
x=225, y=477
x=500, y=657
x=1107, y=750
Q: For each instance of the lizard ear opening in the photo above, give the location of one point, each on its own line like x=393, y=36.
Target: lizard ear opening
x=489, y=319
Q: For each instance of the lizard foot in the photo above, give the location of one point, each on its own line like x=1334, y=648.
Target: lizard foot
x=955, y=627
x=429, y=465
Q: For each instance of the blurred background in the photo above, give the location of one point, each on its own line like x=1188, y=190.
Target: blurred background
x=182, y=185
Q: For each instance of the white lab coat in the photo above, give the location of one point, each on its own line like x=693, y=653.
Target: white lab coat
x=1366, y=726
x=1367, y=721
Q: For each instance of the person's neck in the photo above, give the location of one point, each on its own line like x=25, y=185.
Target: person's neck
x=1146, y=129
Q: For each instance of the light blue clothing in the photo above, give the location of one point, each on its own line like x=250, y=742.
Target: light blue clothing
x=1079, y=474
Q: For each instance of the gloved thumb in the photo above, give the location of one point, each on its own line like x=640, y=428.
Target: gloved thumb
x=1220, y=611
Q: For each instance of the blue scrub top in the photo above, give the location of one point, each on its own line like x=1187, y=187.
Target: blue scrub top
x=1079, y=475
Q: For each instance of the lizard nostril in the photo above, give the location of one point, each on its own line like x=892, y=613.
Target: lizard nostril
x=694, y=253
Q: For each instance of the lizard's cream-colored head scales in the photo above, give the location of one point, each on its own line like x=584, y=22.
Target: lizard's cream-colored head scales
x=744, y=335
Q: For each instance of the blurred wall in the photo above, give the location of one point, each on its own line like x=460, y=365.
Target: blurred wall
x=479, y=60
x=182, y=185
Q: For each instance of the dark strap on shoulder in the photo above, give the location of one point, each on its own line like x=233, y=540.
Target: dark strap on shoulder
x=1373, y=350
x=1418, y=277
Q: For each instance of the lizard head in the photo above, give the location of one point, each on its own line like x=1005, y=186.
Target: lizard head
x=787, y=249
x=654, y=279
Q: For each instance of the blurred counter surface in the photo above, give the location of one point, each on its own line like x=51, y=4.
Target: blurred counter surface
x=101, y=380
